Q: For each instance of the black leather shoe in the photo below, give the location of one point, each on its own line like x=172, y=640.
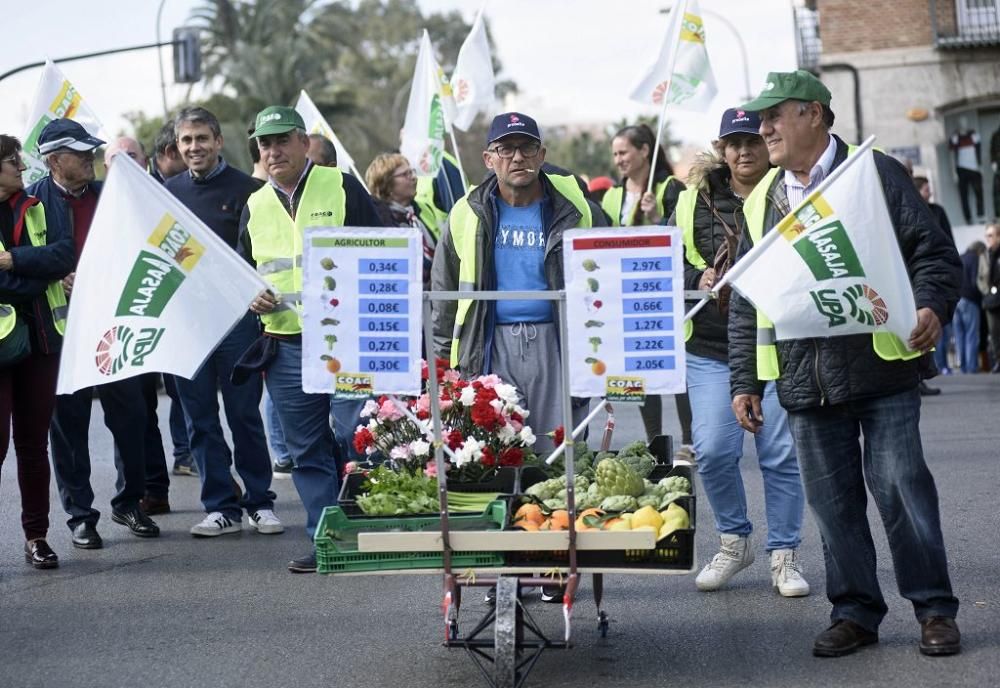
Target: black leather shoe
x=40, y=555
x=842, y=638
x=928, y=391
x=85, y=537
x=138, y=522
x=939, y=636
x=306, y=564
x=151, y=506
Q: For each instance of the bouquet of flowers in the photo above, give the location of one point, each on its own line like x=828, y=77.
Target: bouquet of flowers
x=481, y=422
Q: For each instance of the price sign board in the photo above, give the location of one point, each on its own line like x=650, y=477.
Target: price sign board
x=362, y=311
x=625, y=307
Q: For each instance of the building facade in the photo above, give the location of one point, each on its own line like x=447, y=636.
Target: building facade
x=923, y=76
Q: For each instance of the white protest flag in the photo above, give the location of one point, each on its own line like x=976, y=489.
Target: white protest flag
x=683, y=54
x=473, y=82
x=55, y=97
x=833, y=265
x=155, y=290
x=317, y=124
x=425, y=126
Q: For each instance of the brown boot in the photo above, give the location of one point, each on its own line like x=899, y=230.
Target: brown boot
x=939, y=635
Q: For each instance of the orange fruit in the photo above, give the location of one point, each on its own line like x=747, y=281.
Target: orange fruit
x=524, y=524
x=591, y=512
x=333, y=365
x=530, y=512
x=560, y=519
x=598, y=368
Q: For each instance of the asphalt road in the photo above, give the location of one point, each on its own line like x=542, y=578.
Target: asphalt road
x=178, y=612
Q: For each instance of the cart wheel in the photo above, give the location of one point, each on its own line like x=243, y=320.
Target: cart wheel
x=506, y=633
x=602, y=623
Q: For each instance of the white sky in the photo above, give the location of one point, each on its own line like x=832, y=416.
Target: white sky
x=575, y=61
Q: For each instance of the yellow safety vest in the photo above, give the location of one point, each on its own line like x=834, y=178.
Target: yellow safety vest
x=432, y=216
x=464, y=225
x=277, y=239
x=34, y=223
x=887, y=346
x=612, y=201
x=684, y=216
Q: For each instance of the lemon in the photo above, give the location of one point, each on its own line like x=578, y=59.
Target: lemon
x=647, y=516
x=620, y=525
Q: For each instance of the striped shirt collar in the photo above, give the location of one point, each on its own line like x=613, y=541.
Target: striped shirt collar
x=796, y=190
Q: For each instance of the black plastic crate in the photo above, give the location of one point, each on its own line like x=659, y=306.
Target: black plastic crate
x=502, y=482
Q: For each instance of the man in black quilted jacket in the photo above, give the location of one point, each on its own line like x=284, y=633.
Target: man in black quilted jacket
x=837, y=389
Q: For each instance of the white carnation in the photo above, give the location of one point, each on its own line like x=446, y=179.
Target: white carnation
x=506, y=392
x=468, y=396
x=369, y=409
x=527, y=436
x=420, y=448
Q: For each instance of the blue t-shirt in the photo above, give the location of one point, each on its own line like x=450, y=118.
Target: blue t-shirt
x=519, y=257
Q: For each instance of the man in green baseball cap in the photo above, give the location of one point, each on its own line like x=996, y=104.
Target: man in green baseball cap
x=298, y=195
x=840, y=389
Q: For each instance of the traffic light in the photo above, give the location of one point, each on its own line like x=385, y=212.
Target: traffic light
x=187, y=55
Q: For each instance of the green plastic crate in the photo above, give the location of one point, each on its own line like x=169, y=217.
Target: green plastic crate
x=337, y=541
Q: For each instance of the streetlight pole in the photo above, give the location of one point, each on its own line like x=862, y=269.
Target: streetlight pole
x=159, y=55
x=739, y=40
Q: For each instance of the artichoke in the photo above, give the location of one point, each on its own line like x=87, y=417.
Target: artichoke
x=619, y=503
x=676, y=483
x=649, y=500
x=614, y=477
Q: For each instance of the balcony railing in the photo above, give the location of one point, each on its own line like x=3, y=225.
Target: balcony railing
x=808, y=44
x=965, y=23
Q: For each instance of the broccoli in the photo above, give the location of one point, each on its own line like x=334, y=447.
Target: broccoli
x=330, y=340
x=595, y=342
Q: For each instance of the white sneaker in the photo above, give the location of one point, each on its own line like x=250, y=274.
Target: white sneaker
x=214, y=524
x=685, y=455
x=266, y=522
x=734, y=555
x=786, y=573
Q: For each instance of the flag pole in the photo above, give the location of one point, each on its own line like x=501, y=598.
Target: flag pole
x=454, y=147
x=666, y=93
x=752, y=254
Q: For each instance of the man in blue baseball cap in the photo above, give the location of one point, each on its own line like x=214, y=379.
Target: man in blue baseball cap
x=70, y=195
x=506, y=234
x=837, y=390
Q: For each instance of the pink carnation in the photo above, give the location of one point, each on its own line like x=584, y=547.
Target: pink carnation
x=388, y=411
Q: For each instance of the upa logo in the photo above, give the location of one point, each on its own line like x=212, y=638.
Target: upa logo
x=462, y=91
x=119, y=347
x=863, y=304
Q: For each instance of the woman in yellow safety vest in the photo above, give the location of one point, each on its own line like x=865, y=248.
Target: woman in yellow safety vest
x=33, y=260
x=711, y=215
x=393, y=185
x=628, y=204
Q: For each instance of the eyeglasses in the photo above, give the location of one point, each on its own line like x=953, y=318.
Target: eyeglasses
x=507, y=151
x=79, y=155
x=14, y=160
x=408, y=173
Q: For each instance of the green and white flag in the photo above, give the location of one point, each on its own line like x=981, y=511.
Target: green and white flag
x=317, y=124
x=833, y=265
x=426, y=126
x=155, y=290
x=56, y=97
x=682, y=63
x=473, y=84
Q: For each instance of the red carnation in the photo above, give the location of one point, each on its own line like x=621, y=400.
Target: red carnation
x=454, y=439
x=363, y=439
x=558, y=435
x=517, y=417
x=485, y=416
x=511, y=456
x=488, y=459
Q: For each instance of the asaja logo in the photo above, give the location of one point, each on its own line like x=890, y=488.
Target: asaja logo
x=154, y=280
x=821, y=240
x=863, y=304
x=268, y=118
x=120, y=347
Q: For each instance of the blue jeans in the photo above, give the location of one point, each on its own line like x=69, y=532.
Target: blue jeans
x=718, y=444
x=941, y=349
x=305, y=418
x=966, y=324
x=178, y=422
x=276, y=434
x=835, y=470
x=346, y=414
x=200, y=398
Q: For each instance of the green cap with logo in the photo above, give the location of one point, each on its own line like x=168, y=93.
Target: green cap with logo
x=277, y=119
x=782, y=86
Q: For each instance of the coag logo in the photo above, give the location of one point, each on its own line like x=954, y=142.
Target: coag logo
x=321, y=213
x=625, y=388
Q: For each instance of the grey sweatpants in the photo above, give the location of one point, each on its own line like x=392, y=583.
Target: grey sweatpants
x=526, y=355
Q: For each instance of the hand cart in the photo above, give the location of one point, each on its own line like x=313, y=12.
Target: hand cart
x=506, y=642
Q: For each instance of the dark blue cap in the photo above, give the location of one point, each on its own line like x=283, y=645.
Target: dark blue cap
x=510, y=123
x=65, y=133
x=737, y=121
